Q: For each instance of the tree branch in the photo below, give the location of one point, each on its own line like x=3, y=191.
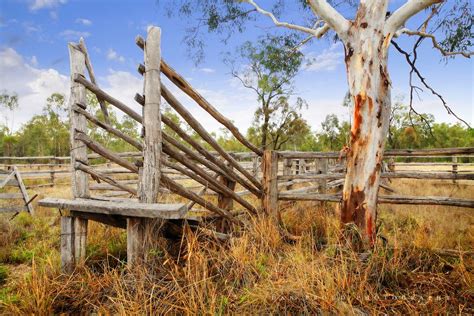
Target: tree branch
x=415, y=70
x=434, y=41
x=405, y=12
x=282, y=24
x=330, y=15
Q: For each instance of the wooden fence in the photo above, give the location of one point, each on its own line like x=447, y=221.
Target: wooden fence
x=165, y=163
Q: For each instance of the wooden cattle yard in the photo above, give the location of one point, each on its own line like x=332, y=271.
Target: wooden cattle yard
x=132, y=184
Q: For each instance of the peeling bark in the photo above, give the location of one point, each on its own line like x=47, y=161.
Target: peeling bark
x=366, y=48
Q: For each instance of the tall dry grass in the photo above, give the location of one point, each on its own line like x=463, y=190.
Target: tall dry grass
x=257, y=271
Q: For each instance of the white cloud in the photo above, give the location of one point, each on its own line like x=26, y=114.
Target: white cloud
x=32, y=84
x=83, y=21
x=328, y=60
x=207, y=70
x=53, y=15
x=113, y=55
x=41, y=4
x=73, y=35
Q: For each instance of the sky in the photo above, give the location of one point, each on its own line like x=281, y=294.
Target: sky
x=34, y=60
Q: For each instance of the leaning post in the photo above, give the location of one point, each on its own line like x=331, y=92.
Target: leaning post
x=149, y=174
x=74, y=235
x=270, y=184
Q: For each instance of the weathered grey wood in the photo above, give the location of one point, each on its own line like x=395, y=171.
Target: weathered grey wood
x=133, y=209
x=210, y=156
x=223, y=189
x=287, y=164
x=12, y=208
x=187, y=116
x=322, y=168
x=24, y=193
x=406, y=175
x=112, y=220
x=11, y=196
x=106, y=186
x=9, y=180
x=90, y=70
x=136, y=230
x=383, y=199
x=190, y=195
x=107, y=97
x=67, y=244
x=80, y=181
x=388, y=153
x=150, y=175
x=105, y=178
x=181, y=83
x=109, y=128
x=104, y=152
x=270, y=184
x=191, y=175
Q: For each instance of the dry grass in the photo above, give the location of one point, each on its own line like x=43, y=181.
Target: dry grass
x=256, y=272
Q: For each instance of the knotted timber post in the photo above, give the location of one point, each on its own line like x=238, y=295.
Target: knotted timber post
x=139, y=229
x=74, y=229
x=270, y=184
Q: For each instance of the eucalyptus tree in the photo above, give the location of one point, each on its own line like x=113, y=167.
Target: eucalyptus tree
x=367, y=36
x=269, y=68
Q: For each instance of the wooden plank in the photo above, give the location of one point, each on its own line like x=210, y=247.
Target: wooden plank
x=24, y=193
x=190, y=195
x=105, y=178
x=181, y=83
x=80, y=179
x=11, y=196
x=210, y=156
x=67, y=244
x=12, y=208
x=112, y=220
x=187, y=116
x=90, y=70
x=109, y=128
x=106, y=153
x=107, y=97
x=388, y=153
x=383, y=199
x=392, y=175
x=8, y=180
x=152, y=141
x=270, y=184
x=223, y=189
x=133, y=209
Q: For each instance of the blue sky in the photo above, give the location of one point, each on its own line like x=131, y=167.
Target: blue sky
x=34, y=60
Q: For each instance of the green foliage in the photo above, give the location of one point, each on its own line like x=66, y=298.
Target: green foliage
x=3, y=274
x=271, y=65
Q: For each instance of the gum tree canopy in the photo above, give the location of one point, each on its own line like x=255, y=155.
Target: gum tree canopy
x=366, y=37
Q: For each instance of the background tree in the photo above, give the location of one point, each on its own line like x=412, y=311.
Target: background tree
x=270, y=66
x=9, y=102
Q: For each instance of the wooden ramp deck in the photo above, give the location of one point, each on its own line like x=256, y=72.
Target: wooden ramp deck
x=124, y=208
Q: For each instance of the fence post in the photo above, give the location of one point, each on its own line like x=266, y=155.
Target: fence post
x=455, y=166
x=75, y=227
x=224, y=202
x=139, y=230
x=270, y=184
x=287, y=163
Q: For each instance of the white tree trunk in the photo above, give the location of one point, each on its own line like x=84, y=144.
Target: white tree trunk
x=366, y=49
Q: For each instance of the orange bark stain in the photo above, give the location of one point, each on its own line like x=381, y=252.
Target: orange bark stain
x=371, y=104
x=359, y=101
